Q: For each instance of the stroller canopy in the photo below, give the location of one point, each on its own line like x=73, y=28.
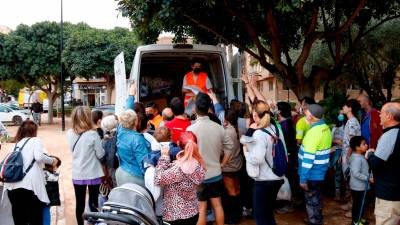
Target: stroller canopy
x=136, y=198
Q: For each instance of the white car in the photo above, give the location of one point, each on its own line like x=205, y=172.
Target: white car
x=9, y=115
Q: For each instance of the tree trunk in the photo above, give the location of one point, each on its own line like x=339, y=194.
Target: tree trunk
x=110, y=87
x=50, y=109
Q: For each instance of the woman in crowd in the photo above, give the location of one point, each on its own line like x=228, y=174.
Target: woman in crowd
x=231, y=167
x=337, y=143
x=131, y=149
x=285, y=120
x=28, y=196
x=87, y=151
x=258, y=150
x=180, y=180
x=351, y=129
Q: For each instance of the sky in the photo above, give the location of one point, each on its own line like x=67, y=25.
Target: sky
x=96, y=13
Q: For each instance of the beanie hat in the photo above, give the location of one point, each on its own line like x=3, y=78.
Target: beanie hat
x=316, y=110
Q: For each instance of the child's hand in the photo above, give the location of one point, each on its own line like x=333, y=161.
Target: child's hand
x=165, y=150
x=54, y=164
x=371, y=180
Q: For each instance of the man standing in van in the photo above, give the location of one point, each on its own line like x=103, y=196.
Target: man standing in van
x=195, y=81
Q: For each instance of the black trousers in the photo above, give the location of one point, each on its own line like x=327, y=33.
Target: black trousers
x=264, y=199
x=80, y=196
x=358, y=207
x=188, y=221
x=27, y=209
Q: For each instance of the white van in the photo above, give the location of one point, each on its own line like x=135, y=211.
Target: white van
x=160, y=70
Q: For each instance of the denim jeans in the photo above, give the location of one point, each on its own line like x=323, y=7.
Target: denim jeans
x=37, y=118
x=314, y=202
x=264, y=199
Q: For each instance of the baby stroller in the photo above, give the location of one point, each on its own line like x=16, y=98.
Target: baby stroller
x=128, y=204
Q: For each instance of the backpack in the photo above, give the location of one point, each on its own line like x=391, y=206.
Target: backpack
x=110, y=147
x=12, y=167
x=279, y=155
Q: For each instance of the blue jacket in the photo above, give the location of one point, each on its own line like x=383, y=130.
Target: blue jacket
x=132, y=148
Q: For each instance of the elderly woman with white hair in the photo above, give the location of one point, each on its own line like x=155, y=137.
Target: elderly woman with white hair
x=109, y=125
x=131, y=149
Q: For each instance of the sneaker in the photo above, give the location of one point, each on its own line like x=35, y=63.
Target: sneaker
x=247, y=212
x=364, y=221
x=337, y=195
x=348, y=214
x=285, y=209
x=346, y=207
x=210, y=216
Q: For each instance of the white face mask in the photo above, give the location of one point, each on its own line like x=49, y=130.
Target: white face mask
x=301, y=110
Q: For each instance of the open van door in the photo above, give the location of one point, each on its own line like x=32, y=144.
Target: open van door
x=236, y=72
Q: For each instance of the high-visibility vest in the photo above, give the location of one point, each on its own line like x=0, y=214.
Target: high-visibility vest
x=201, y=83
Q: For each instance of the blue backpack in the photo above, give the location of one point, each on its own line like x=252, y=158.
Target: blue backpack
x=12, y=167
x=279, y=155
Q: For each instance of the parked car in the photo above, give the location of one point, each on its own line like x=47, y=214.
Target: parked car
x=9, y=115
x=17, y=108
x=106, y=109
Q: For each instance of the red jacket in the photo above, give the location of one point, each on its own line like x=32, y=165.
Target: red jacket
x=375, y=128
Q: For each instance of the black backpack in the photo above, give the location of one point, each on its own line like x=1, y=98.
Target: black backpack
x=279, y=155
x=12, y=167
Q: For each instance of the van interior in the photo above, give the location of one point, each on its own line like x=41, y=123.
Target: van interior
x=162, y=73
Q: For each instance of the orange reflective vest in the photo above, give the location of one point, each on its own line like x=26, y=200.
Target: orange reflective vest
x=201, y=83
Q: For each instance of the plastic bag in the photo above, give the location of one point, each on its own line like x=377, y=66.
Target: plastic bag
x=284, y=192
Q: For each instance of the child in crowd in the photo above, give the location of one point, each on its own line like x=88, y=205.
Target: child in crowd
x=109, y=142
x=52, y=176
x=97, y=116
x=162, y=136
x=359, y=177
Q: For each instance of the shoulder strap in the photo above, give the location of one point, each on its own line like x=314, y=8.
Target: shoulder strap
x=16, y=148
x=73, y=148
x=265, y=157
x=33, y=160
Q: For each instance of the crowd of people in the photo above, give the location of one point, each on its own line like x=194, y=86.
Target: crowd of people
x=224, y=160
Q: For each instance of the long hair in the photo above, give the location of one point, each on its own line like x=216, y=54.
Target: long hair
x=263, y=112
x=188, y=142
x=27, y=129
x=81, y=119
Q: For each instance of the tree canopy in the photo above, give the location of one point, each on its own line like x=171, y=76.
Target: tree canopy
x=280, y=34
x=90, y=52
x=31, y=55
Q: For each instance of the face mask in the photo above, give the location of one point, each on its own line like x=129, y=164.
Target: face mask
x=196, y=70
x=150, y=116
x=340, y=117
x=301, y=110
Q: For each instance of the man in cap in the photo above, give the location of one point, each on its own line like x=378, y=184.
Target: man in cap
x=313, y=161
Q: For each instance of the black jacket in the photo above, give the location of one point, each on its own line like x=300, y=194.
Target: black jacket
x=386, y=173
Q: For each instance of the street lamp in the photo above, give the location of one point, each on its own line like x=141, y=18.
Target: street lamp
x=61, y=70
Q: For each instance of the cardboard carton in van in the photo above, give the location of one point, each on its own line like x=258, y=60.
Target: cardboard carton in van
x=159, y=70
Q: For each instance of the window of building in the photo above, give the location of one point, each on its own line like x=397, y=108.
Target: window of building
x=260, y=86
x=271, y=85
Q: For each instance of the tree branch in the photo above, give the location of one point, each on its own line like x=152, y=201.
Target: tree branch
x=380, y=23
x=250, y=29
x=272, y=28
x=314, y=18
x=272, y=68
x=325, y=29
x=349, y=21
